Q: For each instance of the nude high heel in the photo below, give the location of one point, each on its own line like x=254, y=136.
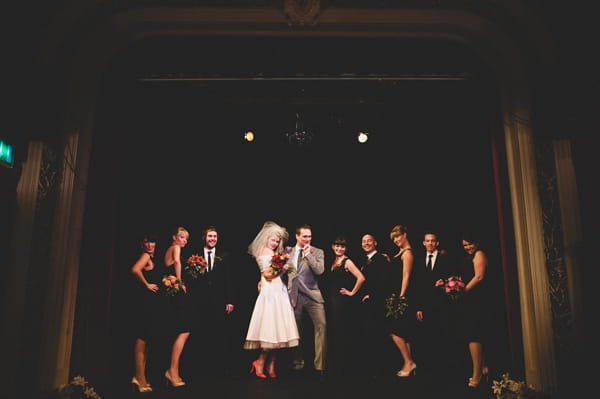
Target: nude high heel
x=412, y=371
x=174, y=384
x=140, y=388
x=473, y=383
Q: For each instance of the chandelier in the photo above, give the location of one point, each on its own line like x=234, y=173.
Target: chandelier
x=300, y=137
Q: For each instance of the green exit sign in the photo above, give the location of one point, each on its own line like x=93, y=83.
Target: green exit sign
x=6, y=154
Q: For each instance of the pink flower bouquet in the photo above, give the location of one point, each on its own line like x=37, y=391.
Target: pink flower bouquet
x=453, y=287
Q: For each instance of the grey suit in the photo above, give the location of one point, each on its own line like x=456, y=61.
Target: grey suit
x=306, y=296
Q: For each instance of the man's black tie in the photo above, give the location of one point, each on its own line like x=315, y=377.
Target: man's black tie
x=429, y=266
x=208, y=260
x=367, y=261
x=299, y=260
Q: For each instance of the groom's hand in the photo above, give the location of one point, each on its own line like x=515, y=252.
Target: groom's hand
x=306, y=249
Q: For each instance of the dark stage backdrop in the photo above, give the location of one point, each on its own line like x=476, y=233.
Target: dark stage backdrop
x=177, y=158
x=428, y=164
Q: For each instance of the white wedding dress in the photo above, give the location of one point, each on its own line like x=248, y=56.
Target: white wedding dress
x=272, y=324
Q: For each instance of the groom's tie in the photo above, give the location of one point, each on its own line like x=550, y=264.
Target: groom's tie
x=208, y=261
x=299, y=260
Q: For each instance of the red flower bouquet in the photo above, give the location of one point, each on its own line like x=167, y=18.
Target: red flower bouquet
x=196, y=265
x=279, y=265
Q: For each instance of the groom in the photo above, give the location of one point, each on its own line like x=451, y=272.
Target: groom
x=306, y=296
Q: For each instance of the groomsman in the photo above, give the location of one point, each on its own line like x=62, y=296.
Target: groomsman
x=375, y=341
x=431, y=346
x=213, y=298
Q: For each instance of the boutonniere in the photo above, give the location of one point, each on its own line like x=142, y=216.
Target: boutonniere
x=218, y=258
x=442, y=252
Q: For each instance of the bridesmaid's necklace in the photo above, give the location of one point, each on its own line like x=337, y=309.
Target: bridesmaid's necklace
x=338, y=261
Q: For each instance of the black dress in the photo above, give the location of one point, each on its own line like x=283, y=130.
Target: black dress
x=181, y=308
x=474, y=306
x=342, y=324
x=150, y=305
x=404, y=325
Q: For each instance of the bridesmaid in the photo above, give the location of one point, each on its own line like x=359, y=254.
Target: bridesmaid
x=475, y=305
x=179, y=305
x=148, y=275
x=345, y=282
x=402, y=328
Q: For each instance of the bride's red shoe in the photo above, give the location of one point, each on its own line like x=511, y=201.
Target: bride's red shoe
x=271, y=370
x=256, y=370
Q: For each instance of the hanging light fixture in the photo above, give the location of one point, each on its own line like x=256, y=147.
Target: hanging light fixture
x=300, y=137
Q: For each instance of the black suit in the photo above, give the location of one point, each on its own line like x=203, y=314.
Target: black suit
x=431, y=344
x=211, y=335
x=374, y=339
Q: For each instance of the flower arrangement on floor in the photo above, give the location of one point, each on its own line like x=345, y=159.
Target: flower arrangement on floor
x=78, y=388
x=279, y=265
x=453, y=287
x=172, y=285
x=508, y=388
x=196, y=266
x=395, y=306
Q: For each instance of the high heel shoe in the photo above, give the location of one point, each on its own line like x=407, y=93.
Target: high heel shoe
x=259, y=372
x=140, y=388
x=485, y=374
x=473, y=383
x=412, y=371
x=174, y=384
x=271, y=371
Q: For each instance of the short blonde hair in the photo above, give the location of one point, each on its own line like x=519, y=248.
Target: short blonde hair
x=398, y=230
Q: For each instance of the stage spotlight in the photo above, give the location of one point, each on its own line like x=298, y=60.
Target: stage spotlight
x=249, y=136
x=362, y=137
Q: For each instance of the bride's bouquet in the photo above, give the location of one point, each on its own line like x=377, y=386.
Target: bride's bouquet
x=279, y=265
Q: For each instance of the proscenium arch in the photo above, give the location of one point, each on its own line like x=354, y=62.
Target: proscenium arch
x=94, y=51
